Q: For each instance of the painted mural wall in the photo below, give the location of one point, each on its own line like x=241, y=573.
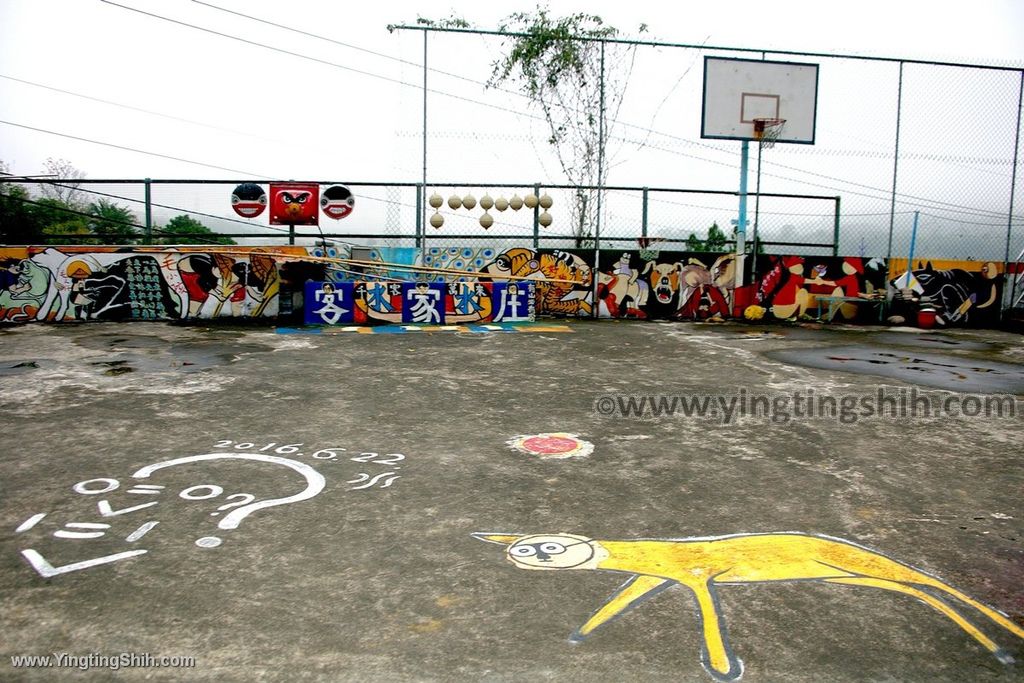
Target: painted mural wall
x=841, y=289
x=964, y=293
x=667, y=285
x=93, y=283
x=432, y=303
x=476, y=284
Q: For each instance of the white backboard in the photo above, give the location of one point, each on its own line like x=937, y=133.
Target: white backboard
x=736, y=91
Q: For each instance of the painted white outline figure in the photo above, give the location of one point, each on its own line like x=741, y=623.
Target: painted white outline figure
x=315, y=481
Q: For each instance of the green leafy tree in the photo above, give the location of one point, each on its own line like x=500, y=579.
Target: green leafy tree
x=187, y=230
x=56, y=217
x=716, y=239
x=59, y=223
x=18, y=224
x=72, y=230
x=116, y=223
x=557, y=61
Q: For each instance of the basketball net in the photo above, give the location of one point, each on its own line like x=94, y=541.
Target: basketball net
x=649, y=249
x=767, y=131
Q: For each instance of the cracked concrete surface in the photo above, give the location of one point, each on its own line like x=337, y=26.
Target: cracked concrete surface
x=386, y=583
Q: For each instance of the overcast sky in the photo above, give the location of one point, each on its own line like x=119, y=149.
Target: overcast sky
x=336, y=123
x=230, y=109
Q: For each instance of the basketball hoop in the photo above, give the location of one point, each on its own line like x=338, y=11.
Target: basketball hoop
x=767, y=131
x=649, y=250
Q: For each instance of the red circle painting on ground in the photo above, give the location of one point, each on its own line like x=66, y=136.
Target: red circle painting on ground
x=550, y=445
x=555, y=445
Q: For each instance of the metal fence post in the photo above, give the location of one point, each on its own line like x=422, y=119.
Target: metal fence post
x=895, y=163
x=1012, y=277
x=741, y=221
x=536, y=217
x=420, y=229
x=421, y=191
x=835, y=229
x=600, y=187
x=148, y=239
x=643, y=216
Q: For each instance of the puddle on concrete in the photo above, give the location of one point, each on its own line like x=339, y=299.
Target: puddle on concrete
x=145, y=353
x=114, y=367
x=11, y=368
x=754, y=335
x=117, y=342
x=928, y=341
x=952, y=373
x=189, y=357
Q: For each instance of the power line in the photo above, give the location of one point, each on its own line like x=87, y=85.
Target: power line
x=147, y=111
x=259, y=44
x=963, y=222
x=65, y=209
x=348, y=45
x=505, y=109
x=229, y=219
x=166, y=206
x=133, y=149
x=667, y=150
x=940, y=205
x=367, y=73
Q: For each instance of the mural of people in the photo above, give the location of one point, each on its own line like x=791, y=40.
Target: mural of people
x=78, y=283
x=199, y=279
x=23, y=288
x=263, y=283
x=790, y=286
x=622, y=294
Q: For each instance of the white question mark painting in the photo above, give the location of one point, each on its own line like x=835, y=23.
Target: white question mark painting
x=246, y=498
x=315, y=483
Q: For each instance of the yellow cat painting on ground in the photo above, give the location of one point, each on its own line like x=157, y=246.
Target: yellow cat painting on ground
x=703, y=564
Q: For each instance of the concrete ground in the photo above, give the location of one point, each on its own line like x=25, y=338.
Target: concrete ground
x=259, y=573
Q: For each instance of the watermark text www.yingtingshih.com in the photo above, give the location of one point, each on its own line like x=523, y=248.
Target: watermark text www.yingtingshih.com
x=95, y=661
x=782, y=408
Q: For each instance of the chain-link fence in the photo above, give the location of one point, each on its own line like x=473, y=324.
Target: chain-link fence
x=898, y=143
x=893, y=137
x=403, y=215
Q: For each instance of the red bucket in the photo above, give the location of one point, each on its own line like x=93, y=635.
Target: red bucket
x=926, y=318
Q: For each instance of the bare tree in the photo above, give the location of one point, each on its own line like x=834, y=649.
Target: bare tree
x=64, y=186
x=579, y=83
